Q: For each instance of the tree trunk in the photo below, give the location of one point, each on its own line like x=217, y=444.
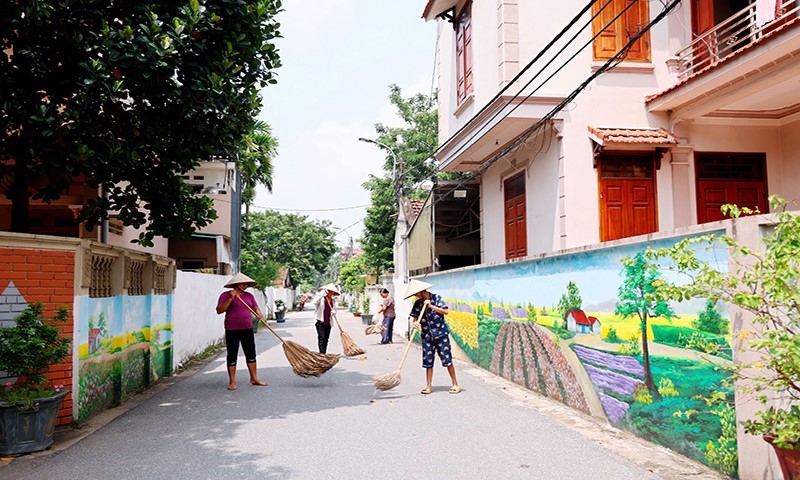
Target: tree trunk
x=648, y=375
x=18, y=194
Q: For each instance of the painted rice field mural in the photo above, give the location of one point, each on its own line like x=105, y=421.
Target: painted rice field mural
x=584, y=329
x=125, y=344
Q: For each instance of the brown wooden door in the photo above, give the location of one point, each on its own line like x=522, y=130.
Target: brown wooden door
x=702, y=22
x=627, y=195
x=516, y=225
x=628, y=208
x=729, y=177
x=712, y=194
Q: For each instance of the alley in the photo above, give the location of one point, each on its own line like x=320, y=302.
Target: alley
x=338, y=427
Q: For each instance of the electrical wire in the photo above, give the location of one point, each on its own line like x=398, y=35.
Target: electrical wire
x=310, y=209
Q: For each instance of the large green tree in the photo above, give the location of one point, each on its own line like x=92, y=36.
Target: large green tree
x=290, y=240
x=413, y=144
x=128, y=96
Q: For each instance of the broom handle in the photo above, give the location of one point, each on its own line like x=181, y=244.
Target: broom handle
x=335, y=317
x=410, y=337
x=260, y=318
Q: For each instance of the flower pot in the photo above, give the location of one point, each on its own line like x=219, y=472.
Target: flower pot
x=788, y=459
x=24, y=430
x=280, y=316
x=366, y=318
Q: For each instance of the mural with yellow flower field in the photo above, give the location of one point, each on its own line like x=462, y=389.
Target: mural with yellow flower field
x=125, y=344
x=582, y=329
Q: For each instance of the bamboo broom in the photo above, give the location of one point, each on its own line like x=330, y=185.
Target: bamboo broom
x=391, y=380
x=304, y=362
x=348, y=345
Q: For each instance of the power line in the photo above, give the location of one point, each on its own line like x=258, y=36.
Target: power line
x=310, y=209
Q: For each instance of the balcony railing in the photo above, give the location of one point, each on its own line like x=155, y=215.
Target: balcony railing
x=736, y=32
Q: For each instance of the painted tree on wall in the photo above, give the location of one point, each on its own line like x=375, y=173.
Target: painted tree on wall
x=569, y=300
x=637, y=297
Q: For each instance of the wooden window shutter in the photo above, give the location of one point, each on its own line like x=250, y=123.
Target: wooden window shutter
x=617, y=32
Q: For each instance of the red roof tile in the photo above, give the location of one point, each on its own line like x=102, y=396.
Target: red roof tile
x=638, y=136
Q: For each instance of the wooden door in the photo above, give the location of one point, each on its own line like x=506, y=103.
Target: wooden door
x=732, y=178
x=516, y=226
x=702, y=22
x=627, y=196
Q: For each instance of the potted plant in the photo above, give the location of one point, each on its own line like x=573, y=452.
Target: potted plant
x=366, y=317
x=29, y=406
x=764, y=284
x=280, y=310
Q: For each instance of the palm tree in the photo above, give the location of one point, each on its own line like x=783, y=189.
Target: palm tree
x=259, y=149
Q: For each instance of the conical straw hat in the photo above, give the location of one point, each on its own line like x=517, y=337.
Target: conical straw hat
x=240, y=278
x=331, y=288
x=416, y=286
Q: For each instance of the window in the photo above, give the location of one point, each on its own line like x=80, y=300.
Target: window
x=463, y=26
x=615, y=34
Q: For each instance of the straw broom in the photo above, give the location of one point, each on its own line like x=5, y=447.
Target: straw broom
x=372, y=329
x=391, y=380
x=304, y=362
x=348, y=345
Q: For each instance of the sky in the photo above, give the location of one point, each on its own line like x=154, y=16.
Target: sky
x=338, y=59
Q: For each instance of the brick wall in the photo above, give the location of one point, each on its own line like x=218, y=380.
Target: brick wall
x=30, y=275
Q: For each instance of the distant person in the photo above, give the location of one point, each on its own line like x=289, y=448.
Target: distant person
x=239, y=326
x=325, y=305
x=387, y=309
x=434, y=332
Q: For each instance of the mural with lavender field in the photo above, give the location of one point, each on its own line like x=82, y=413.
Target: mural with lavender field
x=563, y=326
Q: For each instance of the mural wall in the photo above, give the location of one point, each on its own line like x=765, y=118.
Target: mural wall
x=566, y=326
x=124, y=344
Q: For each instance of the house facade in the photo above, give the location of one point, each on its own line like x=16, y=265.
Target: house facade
x=214, y=247
x=595, y=127
x=586, y=145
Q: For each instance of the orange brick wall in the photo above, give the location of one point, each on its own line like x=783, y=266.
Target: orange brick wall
x=46, y=276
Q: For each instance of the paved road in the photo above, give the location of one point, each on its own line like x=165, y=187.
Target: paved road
x=339, y=427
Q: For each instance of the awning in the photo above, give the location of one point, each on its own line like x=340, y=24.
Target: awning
x=434, y=8
x=632, y=136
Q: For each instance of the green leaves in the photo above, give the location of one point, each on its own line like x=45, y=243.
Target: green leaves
x=131, y=93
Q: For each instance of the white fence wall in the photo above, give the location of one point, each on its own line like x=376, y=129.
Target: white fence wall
x=196, y=324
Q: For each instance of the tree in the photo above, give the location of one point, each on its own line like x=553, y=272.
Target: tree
x=126, y=97
x=255, y=162
x=710, y=320
x=414, y=146
x=637, y=296
x=570, y=300
x=350, y=275
x=290, y=240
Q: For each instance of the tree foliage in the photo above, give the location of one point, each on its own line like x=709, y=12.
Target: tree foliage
x=128, y=96
x=637, y=296
x=256, y=161
x=351, y=275
x=290, y=240
x=414, y=145
x=710, y=320
x=570, y=300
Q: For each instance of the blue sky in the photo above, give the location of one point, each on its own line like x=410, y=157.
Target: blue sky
x=339, y=58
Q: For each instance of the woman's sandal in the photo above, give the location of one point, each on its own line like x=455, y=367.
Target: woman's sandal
x=455, y=389
x=426, y=390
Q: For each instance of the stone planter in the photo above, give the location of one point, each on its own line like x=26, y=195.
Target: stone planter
x=366, y=318
x=280, y=316
x=31, y=430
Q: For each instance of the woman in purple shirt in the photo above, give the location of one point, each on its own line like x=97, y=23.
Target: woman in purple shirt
x=239, y=326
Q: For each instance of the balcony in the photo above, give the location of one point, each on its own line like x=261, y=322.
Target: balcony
x=744, y=68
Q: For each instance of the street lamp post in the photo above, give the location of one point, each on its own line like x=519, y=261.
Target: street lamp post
x=395, y=175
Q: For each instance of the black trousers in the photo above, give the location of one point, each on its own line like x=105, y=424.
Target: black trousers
x=248, y=341
x=323, y=335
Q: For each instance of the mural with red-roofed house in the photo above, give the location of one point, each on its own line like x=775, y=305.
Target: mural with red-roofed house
x=577, y=321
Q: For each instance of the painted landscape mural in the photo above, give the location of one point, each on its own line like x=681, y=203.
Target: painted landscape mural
x=125, y=345
x=571, y=327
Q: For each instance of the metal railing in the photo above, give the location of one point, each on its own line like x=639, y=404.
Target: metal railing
x=736, y=32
